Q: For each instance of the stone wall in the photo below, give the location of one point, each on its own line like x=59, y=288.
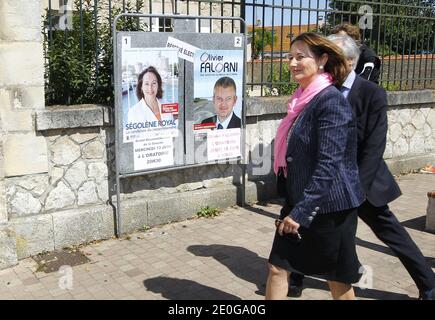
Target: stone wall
x=410, y=137
x=81, y=155
x=74, y=201
x=77, y=176
x=77, y=166
x=411, y=131
x=69, y=204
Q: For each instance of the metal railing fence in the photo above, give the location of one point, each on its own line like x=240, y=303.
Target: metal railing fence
x=78, y=51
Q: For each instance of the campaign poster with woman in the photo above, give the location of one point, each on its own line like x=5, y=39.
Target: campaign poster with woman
x=149, y=93
x=150, y=105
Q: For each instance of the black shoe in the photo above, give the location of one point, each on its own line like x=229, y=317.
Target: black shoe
x=294, y=291
x=426, y=295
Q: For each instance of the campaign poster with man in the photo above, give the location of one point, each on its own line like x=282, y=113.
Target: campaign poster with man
x=150, y=104
x=218, y=94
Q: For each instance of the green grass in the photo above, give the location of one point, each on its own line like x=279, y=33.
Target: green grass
x=208, y=212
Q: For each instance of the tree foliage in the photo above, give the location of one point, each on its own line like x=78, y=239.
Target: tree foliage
x=281, y=82
x=79, y=61
x=261, y=38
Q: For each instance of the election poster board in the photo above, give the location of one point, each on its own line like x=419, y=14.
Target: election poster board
x=218, y=101
x=150, y=105
x=169, y=117
x=161, y=122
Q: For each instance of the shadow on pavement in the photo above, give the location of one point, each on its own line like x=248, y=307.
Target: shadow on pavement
x=181, y=289
x=415, y=223
x=261, y=212
x=374, y=246
x=380, y=295
x=242, y=262
x=248, y=266
x=386, y=250
x=313, y=283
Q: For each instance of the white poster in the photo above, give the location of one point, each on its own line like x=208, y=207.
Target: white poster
x=218, y=89
x=185, y=50
x=223, y=144
x=153, y=153
x=218, y=101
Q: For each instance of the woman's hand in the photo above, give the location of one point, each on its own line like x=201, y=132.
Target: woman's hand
x=287, y=225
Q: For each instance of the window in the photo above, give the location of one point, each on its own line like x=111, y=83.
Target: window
x=165, y=25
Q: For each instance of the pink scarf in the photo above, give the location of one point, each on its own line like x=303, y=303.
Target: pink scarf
x=297, y=103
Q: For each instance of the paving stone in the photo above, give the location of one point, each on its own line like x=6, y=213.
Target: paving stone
x=119, y=267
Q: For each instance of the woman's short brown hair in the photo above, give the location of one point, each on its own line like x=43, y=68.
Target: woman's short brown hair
x=153, y=70
x=351, y=30
x=319, y=45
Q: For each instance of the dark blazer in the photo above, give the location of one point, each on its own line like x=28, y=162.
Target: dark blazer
x=321, y=159
x=369, y=104
x=235, y=121
x=367, y=55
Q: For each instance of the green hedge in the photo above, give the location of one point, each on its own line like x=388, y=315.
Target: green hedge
x=79, y=62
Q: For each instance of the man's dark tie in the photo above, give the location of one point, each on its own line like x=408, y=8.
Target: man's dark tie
x=220, y=126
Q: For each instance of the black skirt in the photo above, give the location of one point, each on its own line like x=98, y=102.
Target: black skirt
x=327, y=248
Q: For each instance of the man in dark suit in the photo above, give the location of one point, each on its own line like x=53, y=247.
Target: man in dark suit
x=224, y=100
x=369, y=104
x=369, y=64
x=234, y=122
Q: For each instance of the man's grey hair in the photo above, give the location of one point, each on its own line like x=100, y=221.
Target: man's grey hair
x=348, y=46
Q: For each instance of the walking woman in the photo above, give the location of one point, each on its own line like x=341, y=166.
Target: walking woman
x=315, y=161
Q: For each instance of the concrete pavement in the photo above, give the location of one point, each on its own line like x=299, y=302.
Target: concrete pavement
x=220, y=258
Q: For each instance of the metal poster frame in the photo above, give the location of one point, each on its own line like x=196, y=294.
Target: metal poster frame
x=118, y=108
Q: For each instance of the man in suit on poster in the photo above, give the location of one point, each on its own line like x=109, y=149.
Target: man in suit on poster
x=224, y=100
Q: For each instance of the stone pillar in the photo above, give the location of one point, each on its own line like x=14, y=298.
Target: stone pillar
x=430, y=214
x=22, y=151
